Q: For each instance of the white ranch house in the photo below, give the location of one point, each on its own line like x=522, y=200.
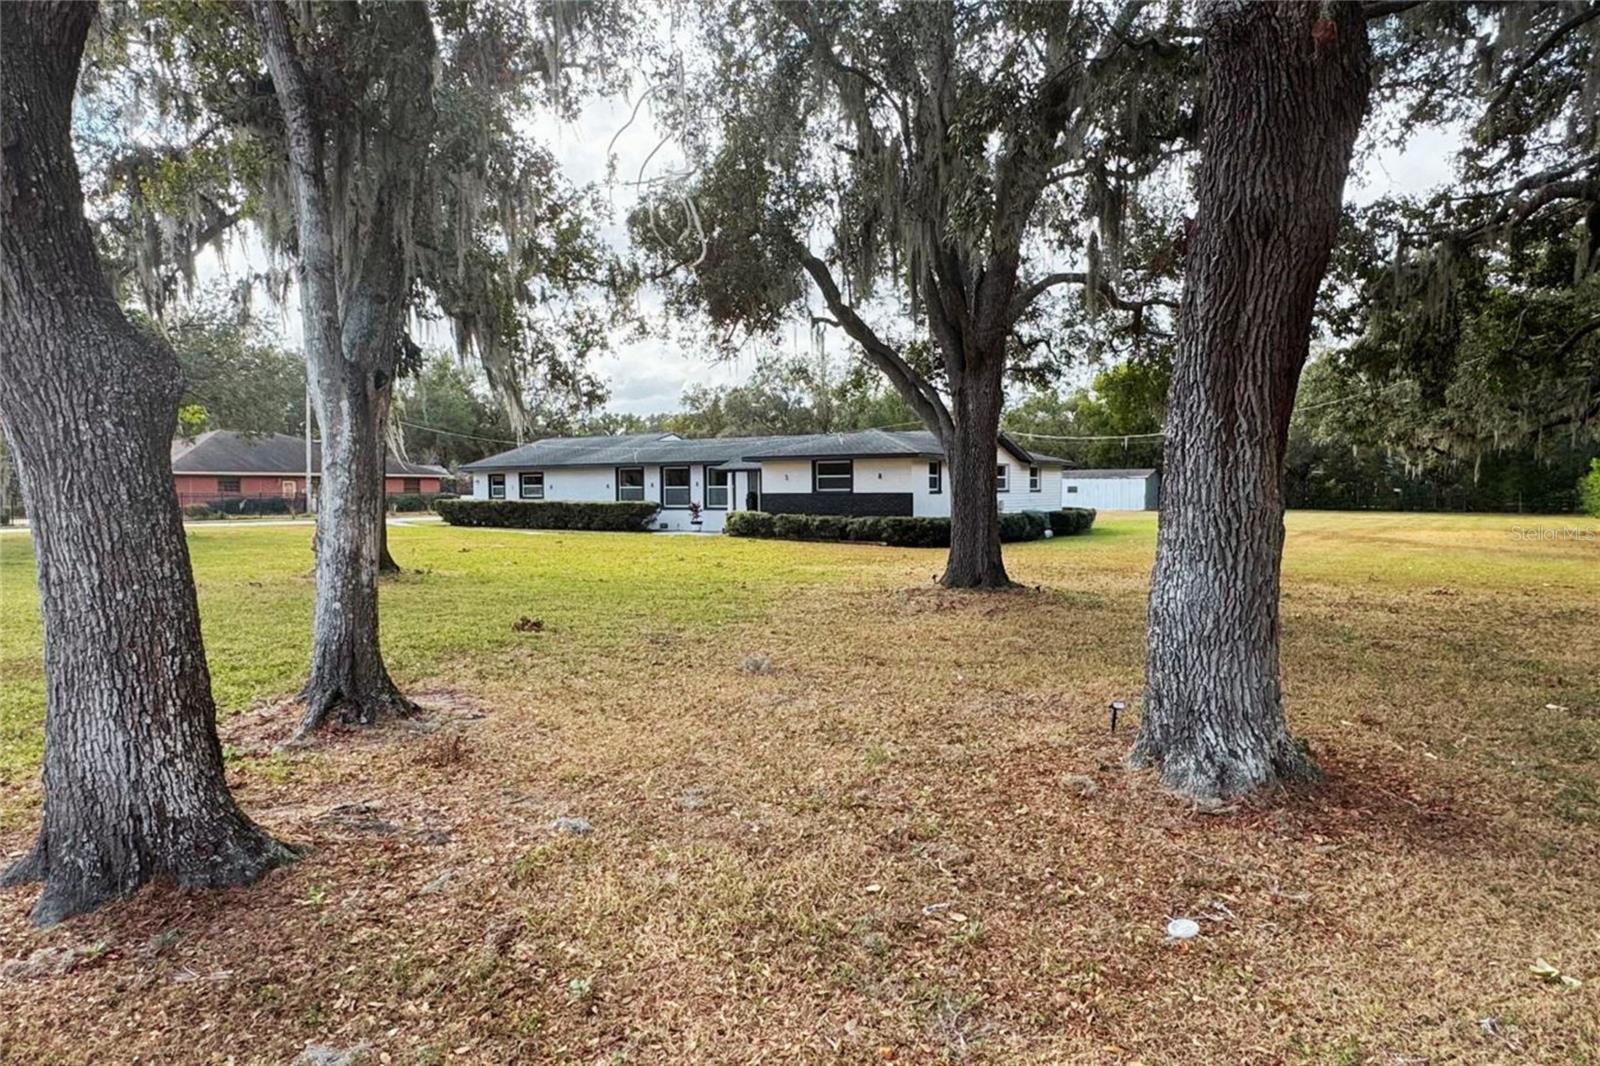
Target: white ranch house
x=870, y=472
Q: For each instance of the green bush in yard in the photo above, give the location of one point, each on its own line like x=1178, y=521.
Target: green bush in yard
x=900, y=531
x=627, y=517
x=1023, y=525
x=200, y=511
x=1071, y=520
x=748, y=524
x=409, y=502
x=903, y=531
x=252, y=505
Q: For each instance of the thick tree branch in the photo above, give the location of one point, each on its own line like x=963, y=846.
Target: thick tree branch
x=1104, y=290
x=1586, y=15
x=922, y=397
x=1577, y=335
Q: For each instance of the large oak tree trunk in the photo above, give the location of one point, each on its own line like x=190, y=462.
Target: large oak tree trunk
x=1288, y=90
x=133, y=775
x=348, y=675
x=975, y=561
x=351, y=337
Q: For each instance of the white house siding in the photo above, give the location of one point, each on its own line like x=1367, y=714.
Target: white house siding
x=781, y=476
x=597, y=484
x=1109, y=493
x=896, y=474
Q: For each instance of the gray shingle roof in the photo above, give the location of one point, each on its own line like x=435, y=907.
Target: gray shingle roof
x=222, y=451
x=653, y=448
x=1091, y=474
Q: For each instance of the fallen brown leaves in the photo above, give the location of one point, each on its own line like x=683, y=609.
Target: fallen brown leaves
x=912, y=839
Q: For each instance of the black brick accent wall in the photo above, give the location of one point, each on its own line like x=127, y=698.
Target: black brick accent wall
x=842, y=503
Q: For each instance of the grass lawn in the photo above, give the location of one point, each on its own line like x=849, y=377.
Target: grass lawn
x=839, y=815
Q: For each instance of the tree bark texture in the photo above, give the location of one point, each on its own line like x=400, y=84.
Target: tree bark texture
x=353, y=291
x=1287, y=95
x=976, y=397
x=133, y=777
x=386, y=562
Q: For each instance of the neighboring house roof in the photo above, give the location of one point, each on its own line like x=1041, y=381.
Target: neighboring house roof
x=222, y=451
x=730, y=453
x=1075, y=475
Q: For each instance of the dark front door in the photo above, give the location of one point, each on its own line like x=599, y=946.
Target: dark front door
x=752, y=498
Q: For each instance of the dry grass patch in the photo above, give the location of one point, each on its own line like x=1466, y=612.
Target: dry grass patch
x=905, y=835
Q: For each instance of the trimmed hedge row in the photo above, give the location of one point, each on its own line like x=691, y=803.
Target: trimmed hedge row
x=1070, y=521
x=548, y=514
x=408, y=502
x=901, y=531
x=246, y=505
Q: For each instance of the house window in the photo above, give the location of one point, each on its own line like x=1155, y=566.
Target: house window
x=935, y=479
x=630, y=483
x=532, y=487
x=1002, y=478
x=674, y=486
x=411, y=484
x=1033, y=479
x=497, y=486
x=717, y=489
x=1072, y=488
x=833, y=475
x=228, y=484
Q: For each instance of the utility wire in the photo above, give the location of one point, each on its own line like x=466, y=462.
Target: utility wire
x=453, y=433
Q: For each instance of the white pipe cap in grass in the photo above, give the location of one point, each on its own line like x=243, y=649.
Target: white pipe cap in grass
x=1182, y=928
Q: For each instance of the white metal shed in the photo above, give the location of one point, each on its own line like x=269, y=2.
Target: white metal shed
x=1111, y=490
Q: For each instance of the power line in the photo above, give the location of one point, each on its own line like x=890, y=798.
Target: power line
x=453, y=433
x=1108, y=436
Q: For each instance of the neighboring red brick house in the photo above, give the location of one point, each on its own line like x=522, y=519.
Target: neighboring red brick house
x=223, y=465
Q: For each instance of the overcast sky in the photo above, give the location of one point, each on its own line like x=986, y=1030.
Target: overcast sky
x=649, y=375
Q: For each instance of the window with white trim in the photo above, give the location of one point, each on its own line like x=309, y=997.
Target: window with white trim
x=532, y=485
x=833, y=475
x=630, y=483
x=675, y=486
x=497, y=486
x=1033, y=479
x=935, y=479
x=717, y=482
x=1002, y=477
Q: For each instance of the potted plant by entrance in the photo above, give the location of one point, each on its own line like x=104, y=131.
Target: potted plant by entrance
x=694, y=513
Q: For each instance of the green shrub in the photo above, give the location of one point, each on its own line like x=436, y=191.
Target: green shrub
x=1589, y=489
x=748, y=524
x=900, y=531
x=1023, y=525
x=200, y=511
x=791, y=526
x=252, y=505
x=1070, y=521
x=410, y=502
x=548, y=514
x=903, y=531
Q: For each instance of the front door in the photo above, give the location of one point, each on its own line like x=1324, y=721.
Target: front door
x=752, y=498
